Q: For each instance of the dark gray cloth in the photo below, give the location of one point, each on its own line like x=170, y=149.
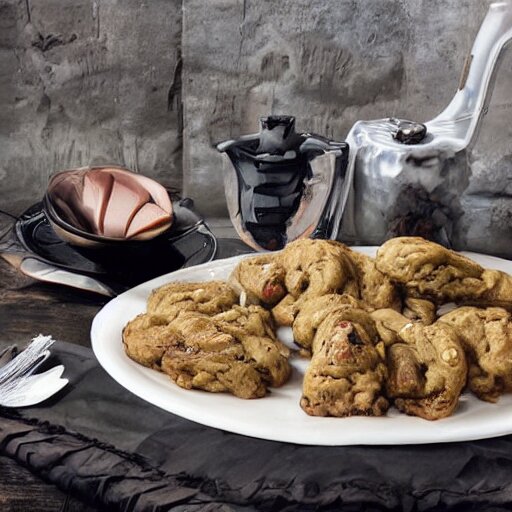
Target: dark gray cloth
x=103, y=444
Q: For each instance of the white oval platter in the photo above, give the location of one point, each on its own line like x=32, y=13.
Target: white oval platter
x=278, y=416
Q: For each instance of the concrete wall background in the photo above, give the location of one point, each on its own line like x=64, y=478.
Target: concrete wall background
x=98, y=81
x=87, y=82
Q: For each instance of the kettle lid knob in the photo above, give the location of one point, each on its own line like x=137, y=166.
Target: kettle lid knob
x=408, y=132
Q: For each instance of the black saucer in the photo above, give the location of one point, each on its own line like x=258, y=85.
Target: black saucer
x=188, y=242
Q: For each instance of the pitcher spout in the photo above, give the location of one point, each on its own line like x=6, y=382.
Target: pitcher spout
x=461, y=119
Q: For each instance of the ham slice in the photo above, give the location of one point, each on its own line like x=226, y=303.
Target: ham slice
x=95, y=197
x=158, y=193
x=126, y=198
x=150, y=216
x=111, y=202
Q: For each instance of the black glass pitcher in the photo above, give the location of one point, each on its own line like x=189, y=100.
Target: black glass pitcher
x=281, y=185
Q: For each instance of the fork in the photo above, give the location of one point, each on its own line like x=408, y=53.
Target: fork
x=19, y=387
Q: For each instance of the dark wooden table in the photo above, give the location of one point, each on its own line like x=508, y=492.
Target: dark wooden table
x=28, y=308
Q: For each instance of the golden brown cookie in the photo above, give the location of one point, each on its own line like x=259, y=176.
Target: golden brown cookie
x=375, y=289
x=313, y=268
x=146, y=338
x=260, y=278
x=430, y=271
x=347, y=373
x=486, y=336
x=314, y=310
x=253, y=326
x=206, y=297
x=317, y=267
x=426, y=365
x=230, y=352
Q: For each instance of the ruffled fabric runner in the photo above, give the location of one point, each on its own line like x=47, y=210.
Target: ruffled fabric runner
x=106, y=446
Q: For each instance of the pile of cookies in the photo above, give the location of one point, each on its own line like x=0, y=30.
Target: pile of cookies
x=370, y=326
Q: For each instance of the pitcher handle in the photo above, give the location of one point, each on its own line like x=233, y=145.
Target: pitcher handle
x=470, y=103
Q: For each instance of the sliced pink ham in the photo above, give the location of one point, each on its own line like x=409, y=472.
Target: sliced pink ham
x=150, y=216
x=112, y=202
x=158, y=193
x=95, y=198
x=126, y=198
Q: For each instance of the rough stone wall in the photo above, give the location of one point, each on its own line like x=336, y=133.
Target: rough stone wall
x=87, y=82
x=96, y=81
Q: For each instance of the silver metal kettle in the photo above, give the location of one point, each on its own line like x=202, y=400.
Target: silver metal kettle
x=410, y=178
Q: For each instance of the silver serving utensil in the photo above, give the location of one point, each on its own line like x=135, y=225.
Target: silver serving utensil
x=19, y=387
x=34, y=389
x=42, y=271
x=28, y=360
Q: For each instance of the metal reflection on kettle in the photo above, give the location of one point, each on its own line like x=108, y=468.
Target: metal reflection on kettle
x=411, y=178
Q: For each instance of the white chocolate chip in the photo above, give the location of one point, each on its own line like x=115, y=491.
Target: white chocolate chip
x=450, y=356
x=405, y=327
x=243, y=298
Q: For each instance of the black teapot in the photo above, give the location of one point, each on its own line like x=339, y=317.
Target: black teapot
x=281, y=185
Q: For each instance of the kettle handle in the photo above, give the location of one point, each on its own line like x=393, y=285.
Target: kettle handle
x=464, y=113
